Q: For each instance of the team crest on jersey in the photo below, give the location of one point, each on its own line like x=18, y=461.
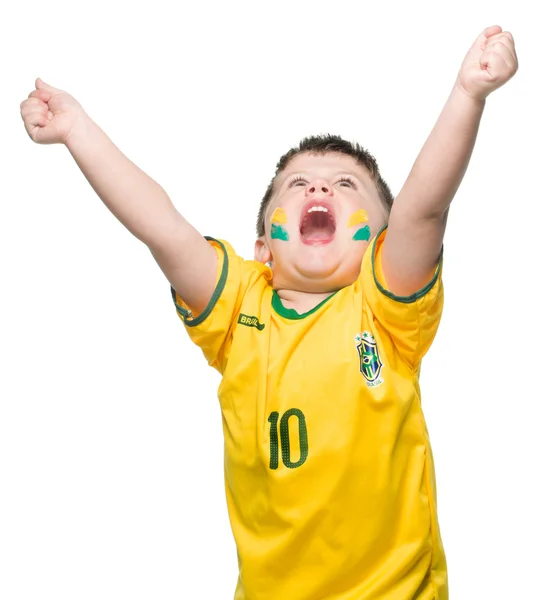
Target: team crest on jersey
x=371, y=364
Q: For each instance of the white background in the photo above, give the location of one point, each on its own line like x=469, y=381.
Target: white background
x=111, y=449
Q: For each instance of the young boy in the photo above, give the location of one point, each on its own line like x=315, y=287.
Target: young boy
x=329, y=474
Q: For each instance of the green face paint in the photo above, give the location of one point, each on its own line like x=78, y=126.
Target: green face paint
x=363, y=234
x=278, y=232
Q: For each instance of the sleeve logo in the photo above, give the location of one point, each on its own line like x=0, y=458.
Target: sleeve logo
x=370, y=360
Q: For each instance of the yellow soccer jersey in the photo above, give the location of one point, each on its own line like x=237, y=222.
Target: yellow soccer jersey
x=328, y=469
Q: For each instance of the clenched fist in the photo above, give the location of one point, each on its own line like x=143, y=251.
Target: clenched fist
x=50, y=115
x=490, y=63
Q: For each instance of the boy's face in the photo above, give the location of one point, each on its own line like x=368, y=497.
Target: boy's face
x=324, y=210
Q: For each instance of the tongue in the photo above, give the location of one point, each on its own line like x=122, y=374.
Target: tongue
x=317, y=226
x=316, y=234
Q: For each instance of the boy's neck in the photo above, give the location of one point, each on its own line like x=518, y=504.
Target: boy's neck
x=302, y=302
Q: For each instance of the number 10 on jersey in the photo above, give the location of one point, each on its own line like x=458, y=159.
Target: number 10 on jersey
x=285, y=444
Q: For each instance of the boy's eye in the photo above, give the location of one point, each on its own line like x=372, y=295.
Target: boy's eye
x=347, y=182
x=297, y=181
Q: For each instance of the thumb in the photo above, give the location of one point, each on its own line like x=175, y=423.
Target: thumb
x=41, y=85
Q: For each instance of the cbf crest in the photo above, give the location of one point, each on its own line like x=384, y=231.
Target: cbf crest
x=369, y=357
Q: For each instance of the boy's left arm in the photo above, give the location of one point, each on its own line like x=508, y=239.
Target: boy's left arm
x=418, y=217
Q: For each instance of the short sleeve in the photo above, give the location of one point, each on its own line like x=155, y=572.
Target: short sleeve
x=212, y=329
x=411, y=321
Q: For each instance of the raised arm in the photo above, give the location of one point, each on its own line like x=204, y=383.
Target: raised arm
x=139, y=203
x=418, y=217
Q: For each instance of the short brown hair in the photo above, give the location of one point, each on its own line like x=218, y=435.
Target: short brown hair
x=323, y=144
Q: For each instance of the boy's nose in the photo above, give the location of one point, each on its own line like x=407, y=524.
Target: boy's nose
x=319, y=186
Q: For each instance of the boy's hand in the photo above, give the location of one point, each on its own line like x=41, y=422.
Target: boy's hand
x=50, y=115
x=490, y=63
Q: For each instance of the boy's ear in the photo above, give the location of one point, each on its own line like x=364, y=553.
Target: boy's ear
x=262, y=252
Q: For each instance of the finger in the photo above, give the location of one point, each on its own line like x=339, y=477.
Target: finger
x=497, y=70
x=501, y=51
x=41, y=94
x=30, y=112
x=505, y=38
x=36, y=119
x=501, y=39
x=30, y=109
x=32, y=105
x=488, y=32
x=33, y=102
x=510, y=42
x=482, y=38
x=508, y=56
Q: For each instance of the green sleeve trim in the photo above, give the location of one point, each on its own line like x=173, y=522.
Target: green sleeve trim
x=291, y=313
x=185, y=314
x=416, y=295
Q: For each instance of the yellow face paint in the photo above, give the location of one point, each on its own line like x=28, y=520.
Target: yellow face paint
x=361, y=216
x=279, y=216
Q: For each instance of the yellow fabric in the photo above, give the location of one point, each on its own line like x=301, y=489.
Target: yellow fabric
x=350, y=512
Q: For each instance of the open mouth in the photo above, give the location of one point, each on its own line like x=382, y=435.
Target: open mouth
x=317, y=224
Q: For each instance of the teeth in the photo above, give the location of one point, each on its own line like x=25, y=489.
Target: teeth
x=317, y=209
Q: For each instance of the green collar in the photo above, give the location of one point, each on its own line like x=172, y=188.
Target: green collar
x=291, y=313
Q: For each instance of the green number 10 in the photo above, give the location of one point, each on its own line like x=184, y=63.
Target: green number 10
x=284, y=437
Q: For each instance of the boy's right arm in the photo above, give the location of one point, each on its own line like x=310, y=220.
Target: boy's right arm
x=188, y=261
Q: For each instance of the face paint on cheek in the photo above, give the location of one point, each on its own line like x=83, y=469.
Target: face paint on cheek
x=363, y=235
x=278, y=219
x=361, y=216
x=358, y=217
x=278, y=232
x=279, y=216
